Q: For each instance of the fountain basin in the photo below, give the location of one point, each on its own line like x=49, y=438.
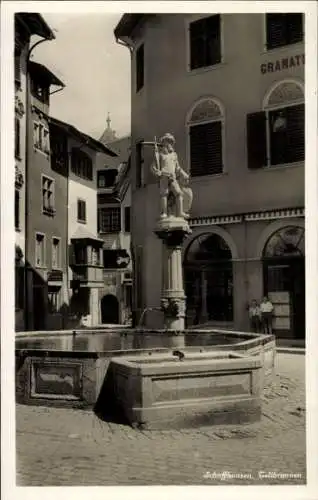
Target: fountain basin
x=68, y=368
x=164, y=392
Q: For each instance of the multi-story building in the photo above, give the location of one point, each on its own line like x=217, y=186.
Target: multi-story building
x=26, y=25
x=231, y=89
x=77, y=153
x=114, y=200
x=45, y=212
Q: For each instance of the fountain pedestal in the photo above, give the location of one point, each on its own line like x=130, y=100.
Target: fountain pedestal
x=172, y=231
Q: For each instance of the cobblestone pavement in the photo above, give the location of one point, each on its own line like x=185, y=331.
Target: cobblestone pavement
x=64, y=447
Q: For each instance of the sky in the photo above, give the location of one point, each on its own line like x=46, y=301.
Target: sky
x=94, y=68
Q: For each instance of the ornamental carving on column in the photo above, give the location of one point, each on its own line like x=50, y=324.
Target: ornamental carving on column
x=19, y=107
x=173, y=308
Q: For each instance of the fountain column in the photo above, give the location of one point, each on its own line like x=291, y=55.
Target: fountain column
x=172, y=231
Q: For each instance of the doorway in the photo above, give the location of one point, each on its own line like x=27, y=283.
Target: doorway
x=284, y=280
x=110, y=309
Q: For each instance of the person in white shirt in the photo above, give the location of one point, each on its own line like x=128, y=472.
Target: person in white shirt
x=254, y=313
x=267, y=311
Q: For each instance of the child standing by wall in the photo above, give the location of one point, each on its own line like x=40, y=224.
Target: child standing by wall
x=255, y=316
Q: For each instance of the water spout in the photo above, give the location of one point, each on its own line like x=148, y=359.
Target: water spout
x=141, y=319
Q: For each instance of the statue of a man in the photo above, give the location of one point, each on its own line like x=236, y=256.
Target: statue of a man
x=166, y=167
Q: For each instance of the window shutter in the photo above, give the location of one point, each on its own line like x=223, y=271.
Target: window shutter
x=294, y=27
x=256, y=140
x=213, y=30
x=206, y=149
x=296, y=132
x=275, y=30
x=197, y=45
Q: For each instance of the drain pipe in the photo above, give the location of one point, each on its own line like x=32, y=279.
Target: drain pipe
x=26, y=174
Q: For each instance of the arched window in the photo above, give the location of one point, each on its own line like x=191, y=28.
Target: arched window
x=82, y=164
x=208, y=280
x=287, y=242
x=276, y=135
x=205, y=138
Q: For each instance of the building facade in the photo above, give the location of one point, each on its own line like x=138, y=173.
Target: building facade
x=232, y=92
x=26, y=25
x=77, y=152
x=46, y=216
x=114, y=202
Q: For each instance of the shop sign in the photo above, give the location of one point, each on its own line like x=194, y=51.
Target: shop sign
x=284, y=63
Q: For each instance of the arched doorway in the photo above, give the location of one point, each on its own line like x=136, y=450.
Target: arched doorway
x=110, y=309
x=208, y=274
x=284, y=280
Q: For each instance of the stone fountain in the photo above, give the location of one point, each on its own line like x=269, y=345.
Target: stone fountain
x=178, y=384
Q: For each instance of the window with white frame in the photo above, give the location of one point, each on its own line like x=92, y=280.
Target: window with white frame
x=48, y=202
x=276, y=135
x=283, y=29
x=205, y=42
x=56, y=253
x=81, y=211
x=206, y=138
x=109, y=220
x=41, y=137
x=40, y=250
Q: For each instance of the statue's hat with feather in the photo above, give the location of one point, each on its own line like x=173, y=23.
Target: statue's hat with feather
x=167, y=138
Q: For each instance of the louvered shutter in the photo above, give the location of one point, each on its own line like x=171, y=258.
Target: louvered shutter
x=256, y=140
x=295, y=132
x=213, y=40
x=206, y=149
x=275, y=30
x=294, y=27
x=197, y=45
